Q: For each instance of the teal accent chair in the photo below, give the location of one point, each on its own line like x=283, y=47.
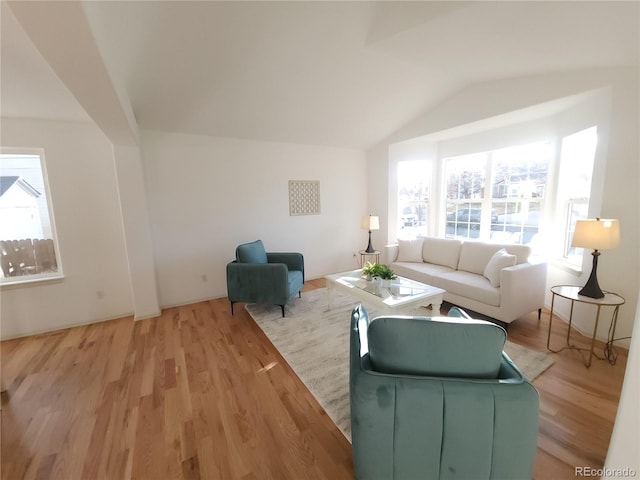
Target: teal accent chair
x=256, y=276
x=437, y=398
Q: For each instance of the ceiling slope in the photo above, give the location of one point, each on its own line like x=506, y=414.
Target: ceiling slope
x=342, y=73
x=61, y=33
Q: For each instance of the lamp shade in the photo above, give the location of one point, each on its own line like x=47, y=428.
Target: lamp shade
x=370, y=222
x=598, y=234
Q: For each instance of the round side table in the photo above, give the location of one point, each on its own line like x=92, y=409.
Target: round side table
x=375, y=255
x=570, y=293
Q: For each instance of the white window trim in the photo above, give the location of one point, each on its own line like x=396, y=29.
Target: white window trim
x=37, y=278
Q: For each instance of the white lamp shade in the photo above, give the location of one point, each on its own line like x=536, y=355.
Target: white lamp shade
x=598, y=234
x=370, y=222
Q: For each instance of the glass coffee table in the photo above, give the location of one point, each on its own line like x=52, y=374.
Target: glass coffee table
x=394, y=297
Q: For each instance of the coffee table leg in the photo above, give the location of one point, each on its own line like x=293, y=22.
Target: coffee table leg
x=435, y=306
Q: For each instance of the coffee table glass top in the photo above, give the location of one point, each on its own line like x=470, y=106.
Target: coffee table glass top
x=390, y=292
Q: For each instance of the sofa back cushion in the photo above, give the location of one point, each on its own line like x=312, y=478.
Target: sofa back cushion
x=251, y=253
x=441, y=251
x=522, y=252
x=501, y=259
x=474, y=256
x=410, y=250
x=439, y=346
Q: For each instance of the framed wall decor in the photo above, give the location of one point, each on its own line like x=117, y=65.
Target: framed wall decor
x=304, y=197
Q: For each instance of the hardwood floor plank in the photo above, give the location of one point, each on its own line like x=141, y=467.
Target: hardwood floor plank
x=199, y=393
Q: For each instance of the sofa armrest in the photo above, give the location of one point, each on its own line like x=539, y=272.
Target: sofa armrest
x=390, y=253
x=293, y=260
x=522, y=288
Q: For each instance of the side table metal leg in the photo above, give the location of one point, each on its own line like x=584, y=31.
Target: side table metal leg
x=553, y=298
x=593, y=339
x=570, y=322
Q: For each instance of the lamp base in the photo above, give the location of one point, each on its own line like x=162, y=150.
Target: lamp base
x=591, y=288
x=370, y=248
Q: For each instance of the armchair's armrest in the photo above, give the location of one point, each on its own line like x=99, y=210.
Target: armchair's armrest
x=293, y=260
x=390, y=253
x=267, y=281
x=523, y=287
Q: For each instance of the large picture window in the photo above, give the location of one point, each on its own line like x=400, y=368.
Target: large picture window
x=497, y=194
x=28, y=248
x=527, y=194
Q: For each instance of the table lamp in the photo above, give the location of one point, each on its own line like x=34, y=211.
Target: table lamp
x=370, y=222
x=598, y=234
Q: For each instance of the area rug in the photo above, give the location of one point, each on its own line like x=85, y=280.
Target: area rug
x=315, y=343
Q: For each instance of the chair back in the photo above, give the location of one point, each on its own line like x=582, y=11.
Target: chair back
x=422, y=407
x=449, y=347
x=253, y=252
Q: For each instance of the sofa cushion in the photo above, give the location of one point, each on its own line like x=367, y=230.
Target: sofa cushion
x=420, y=272
x=469, y=285
x=410, y=250
x=439, y=346
x=522, y=252
x=501, y=259
x=474, y=256
x=441, y=251
x=251, y=253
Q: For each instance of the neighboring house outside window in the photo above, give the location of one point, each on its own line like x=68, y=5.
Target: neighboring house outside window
x=28, y=249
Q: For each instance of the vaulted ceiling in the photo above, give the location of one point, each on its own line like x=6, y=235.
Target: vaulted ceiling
x=340, y=73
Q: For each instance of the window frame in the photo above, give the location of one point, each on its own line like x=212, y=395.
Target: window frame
x=58, y=274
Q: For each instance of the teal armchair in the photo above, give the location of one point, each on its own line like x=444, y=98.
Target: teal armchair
x=436, y=398
x=256, y=276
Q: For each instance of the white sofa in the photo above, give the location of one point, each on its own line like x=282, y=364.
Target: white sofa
x=497, y=280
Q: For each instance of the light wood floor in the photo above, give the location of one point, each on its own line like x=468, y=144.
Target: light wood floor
x=197, y=393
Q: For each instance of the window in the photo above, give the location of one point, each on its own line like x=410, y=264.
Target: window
x=27, y=236
x=577, y=209
x=465, y=191
x=413, y=198
x=497, y=194
x=574, y=187
x=528, y=194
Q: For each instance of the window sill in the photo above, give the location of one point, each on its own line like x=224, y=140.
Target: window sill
x=567, y=267
x=30, y=280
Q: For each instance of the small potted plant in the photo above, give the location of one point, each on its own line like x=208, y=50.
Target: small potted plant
x=378, y=270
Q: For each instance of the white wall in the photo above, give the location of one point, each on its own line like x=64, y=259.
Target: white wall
x=482, y=107
x=624, y=450
x=137, y=234
x=84, y=193
x=206, y=195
